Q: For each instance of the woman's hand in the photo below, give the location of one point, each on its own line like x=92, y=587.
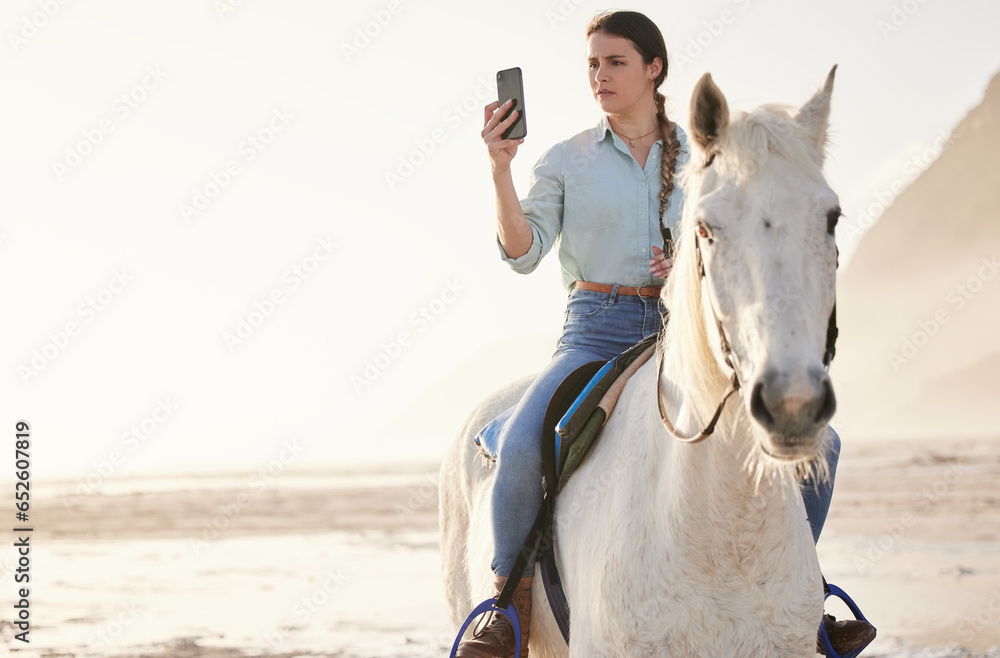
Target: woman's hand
x=502, y=151
x=659, y=264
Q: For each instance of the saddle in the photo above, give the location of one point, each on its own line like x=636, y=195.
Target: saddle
x=575, y=414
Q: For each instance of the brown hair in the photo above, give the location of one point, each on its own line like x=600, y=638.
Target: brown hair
x=647, y=39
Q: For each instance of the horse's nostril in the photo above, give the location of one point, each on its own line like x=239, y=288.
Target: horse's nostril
x=758, y=408
x=829, y=405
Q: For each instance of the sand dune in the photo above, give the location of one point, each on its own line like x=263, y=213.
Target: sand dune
x=919, y=305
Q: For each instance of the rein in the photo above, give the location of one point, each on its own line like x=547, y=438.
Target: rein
x=727, y=352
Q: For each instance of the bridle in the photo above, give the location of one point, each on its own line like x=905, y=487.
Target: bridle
x=728, y=355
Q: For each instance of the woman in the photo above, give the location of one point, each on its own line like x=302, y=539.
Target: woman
x=605, y=192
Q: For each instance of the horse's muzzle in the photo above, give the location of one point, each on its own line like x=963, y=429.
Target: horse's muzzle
x=793, y=414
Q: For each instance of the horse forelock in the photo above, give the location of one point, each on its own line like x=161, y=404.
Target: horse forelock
x=753, y=138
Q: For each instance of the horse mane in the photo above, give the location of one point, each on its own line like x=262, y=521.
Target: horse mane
x=696, y=370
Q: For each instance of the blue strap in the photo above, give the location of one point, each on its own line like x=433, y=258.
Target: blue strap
x=833, y=590
x=579, y=400
x=488, y=606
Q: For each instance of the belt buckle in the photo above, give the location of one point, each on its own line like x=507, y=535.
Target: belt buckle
x=638, y=292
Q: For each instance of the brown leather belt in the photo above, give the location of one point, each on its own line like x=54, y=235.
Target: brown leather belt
x=645, y=291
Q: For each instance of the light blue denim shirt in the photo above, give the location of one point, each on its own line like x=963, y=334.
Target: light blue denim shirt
x=590, y=193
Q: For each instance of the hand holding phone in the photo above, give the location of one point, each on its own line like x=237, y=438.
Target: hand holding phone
x=510, y=86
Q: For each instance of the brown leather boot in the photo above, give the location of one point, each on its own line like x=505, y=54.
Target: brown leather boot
x=496, y=638
x=846, y=636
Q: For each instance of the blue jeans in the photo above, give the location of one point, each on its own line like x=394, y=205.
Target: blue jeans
x=817, y=497
x=599, y=326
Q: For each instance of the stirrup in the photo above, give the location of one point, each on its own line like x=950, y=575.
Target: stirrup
x=489, y=605
x=833, y=590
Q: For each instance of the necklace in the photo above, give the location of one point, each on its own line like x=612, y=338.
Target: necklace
x=631, y=140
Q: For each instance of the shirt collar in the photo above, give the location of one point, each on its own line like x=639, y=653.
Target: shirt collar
x=604, y=129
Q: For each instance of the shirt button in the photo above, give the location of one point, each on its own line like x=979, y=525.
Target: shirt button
x=643, y=251
x=643, y=183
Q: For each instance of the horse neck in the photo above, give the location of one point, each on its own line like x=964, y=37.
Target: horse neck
x=717, y=499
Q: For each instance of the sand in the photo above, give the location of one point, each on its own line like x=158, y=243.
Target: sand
x=345, y=563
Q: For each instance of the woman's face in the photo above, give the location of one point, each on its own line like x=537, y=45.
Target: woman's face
x=619, y=79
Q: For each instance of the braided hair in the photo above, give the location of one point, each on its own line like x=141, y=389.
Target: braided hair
x=668, y=156
x=648, y=40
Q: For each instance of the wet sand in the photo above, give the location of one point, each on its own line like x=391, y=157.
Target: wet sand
x=345, y=563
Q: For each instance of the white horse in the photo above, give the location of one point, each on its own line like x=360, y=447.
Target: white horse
x=674, y=549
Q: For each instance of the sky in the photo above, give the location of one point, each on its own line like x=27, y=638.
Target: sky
x=235, y=233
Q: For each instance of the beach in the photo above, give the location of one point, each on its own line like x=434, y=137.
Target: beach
x=345, y=562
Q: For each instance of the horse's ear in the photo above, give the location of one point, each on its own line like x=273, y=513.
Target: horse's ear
x=709, y=112
x=816, y=112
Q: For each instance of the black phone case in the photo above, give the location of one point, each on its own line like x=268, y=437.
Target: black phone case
x=510, y=85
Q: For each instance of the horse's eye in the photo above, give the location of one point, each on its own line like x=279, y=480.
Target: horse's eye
x=831, y=219
x=704, y=233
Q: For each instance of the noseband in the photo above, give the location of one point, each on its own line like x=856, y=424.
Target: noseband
x=730, y=359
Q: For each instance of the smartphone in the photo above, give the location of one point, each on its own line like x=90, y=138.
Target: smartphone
x=510, y=85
